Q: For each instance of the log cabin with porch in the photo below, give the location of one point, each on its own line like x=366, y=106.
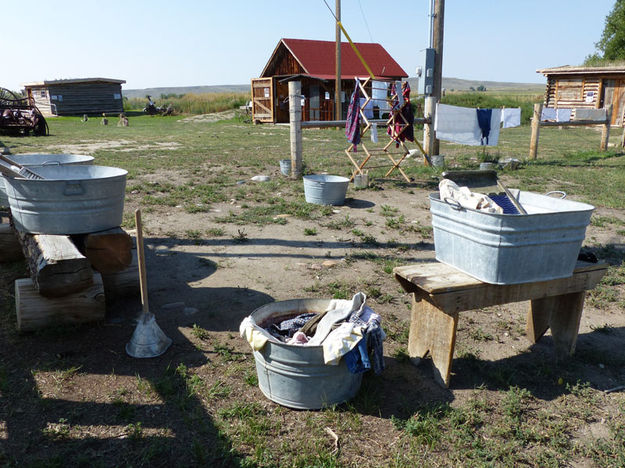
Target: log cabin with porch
x=313, y=64
x=586, y=87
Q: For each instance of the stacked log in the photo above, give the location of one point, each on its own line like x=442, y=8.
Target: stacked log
x=70, y=276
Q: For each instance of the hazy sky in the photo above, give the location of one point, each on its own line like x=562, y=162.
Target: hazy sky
x=161, y=43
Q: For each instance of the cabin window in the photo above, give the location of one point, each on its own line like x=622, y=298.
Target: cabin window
x=57, y=97
x=327, y=95
x=266, y=90
x=43, y=93
x=117, y=96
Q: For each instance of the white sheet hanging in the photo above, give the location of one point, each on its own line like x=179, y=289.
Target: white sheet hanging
x=511, y=117
x=460, y=125
x=457, y=124
x=379, y=95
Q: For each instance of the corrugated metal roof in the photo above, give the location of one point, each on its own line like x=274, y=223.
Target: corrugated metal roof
x=318, y=59
x=577, y=70
x=73, y=81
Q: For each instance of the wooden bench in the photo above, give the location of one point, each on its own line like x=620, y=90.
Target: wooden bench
x=440, y=292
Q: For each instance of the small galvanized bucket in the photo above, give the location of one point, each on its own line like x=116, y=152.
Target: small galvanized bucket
x=322, y=189
x=68, y=200
x=297, y=376
x=285, y=167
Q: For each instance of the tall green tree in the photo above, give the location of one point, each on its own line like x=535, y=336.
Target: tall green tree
x=612, y=42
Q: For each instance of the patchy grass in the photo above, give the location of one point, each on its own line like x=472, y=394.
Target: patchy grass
x=67, y=402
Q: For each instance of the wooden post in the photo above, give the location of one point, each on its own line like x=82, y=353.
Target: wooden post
x=538, y=109
x=437, y=43
x=338, y=105
x=428, y=129
x=295, y=118
x=605, y=131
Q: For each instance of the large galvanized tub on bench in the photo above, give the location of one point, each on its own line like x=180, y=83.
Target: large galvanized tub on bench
x=511, y=249
x=296, y=376
x=43, y=159
x=69, y=200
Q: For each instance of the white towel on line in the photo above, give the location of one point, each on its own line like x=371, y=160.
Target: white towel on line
x=563, y=115
x=548, y=113
x=511, y=117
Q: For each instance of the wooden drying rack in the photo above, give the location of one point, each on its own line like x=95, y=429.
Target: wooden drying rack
x=397, y=124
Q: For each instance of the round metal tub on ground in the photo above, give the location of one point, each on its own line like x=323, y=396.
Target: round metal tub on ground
x=296, y=376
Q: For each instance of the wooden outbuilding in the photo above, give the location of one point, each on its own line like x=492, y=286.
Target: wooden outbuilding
x=313, y=64
x=77, y=96
x=586, y=87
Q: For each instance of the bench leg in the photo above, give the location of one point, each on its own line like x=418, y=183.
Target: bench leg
x=560, y=313
x=433, y=330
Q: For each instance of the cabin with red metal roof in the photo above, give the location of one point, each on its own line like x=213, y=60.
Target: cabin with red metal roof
x=313, y=63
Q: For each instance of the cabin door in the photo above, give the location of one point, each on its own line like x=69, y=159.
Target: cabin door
x=618, y=103
x=615, y=95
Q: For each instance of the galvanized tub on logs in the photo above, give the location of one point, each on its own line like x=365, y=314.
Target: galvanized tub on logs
x=297, y=376
x=43, y=159
x=68, y=200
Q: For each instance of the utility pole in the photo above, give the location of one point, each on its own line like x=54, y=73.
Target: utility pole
x=338, y=108
x=430, y=142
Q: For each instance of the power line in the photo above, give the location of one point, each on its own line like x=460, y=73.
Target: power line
x=365, y=20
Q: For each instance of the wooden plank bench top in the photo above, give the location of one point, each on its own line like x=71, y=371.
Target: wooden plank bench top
x=441, y=291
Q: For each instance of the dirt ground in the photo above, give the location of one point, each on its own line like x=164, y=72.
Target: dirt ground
x=213, y=282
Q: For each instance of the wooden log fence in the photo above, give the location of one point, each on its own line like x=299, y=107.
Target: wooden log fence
x=537, y=124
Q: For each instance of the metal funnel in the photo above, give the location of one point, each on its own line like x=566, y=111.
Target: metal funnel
x=148, y=340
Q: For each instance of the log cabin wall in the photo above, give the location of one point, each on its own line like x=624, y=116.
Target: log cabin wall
x=588, y=91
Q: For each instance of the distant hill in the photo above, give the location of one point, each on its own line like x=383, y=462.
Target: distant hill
x=457, y=84
x=156, y=92
x=449, y=84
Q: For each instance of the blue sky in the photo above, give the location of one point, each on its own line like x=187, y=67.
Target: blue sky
x=161, y=43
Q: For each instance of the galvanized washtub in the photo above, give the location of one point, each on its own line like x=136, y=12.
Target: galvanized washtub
x=43, y=159
x=507, y=248
x=323, y=189
x=69, y=200
x=296, y=376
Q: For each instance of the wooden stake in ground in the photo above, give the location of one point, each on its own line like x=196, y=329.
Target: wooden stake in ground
x=295, y=117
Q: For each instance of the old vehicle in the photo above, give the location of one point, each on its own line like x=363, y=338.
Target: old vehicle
x=19, y=115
